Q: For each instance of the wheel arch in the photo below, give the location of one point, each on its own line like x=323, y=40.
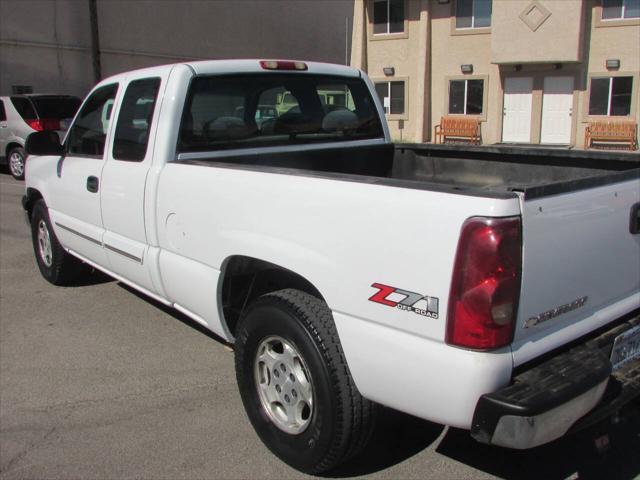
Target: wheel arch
x=10, y=146
x=30, y=199
x=244, y=278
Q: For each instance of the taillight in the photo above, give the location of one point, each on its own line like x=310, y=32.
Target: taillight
x=40, y=124
x=282, y=65
x=36, y=124
x=485, y=287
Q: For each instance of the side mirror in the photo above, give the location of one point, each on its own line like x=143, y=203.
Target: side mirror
x=43, y=143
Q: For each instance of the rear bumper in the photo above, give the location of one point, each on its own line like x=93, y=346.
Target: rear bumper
x=565, y=392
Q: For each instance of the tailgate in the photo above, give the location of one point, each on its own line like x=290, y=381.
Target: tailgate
x=581, y=266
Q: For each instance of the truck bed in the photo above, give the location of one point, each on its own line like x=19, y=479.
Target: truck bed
x=494, y=171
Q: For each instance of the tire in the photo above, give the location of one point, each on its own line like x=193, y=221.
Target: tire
x=329, y=421
x=55, y=264
x=16, y=162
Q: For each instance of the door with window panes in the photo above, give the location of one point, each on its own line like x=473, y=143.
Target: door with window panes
x=125, y=174
x=76, y=189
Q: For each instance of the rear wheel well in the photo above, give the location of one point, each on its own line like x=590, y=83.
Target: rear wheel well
x=247, y=278
x=10, y=147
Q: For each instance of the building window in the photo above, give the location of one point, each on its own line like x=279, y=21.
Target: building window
x=465, y=97
x=610, y=96
x=620, y=9
x=388, y=16
x=473, y=13
x=392, y=96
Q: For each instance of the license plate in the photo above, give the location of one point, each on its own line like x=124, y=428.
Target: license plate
x=626, y=347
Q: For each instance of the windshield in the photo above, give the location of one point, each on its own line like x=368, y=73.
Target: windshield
x=243, y=111
x=56, y=106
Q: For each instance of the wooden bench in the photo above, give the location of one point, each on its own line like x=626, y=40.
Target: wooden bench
x=456, y=129
x=611, y=132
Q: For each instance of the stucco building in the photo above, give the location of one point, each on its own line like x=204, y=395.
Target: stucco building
x=532, y=71
x=53, y=45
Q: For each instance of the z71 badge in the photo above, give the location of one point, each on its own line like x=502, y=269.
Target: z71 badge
x=404, y=300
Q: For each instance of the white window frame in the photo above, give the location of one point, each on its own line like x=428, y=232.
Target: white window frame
x=466, y=87
x=388, y=2
x=608, y=114
x=387, y=110
x=473, y=17
x=621, y=17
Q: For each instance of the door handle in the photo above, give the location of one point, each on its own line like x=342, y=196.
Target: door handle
x=93, y=184
x=634, y=219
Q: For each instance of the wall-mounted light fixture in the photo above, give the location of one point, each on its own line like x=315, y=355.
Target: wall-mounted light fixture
x=613, y=63
x=389, y=71
x=557, y=66
x=466, y=68
x=517, y=68
x=443, y=2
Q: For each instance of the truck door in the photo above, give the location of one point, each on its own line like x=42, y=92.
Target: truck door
x=76, y=189
x=124, y=178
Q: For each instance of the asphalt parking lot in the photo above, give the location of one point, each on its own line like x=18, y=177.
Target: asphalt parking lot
x=97, y=382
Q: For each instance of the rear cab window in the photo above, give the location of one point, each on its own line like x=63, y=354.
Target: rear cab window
x=3, y=113
x=260, y=110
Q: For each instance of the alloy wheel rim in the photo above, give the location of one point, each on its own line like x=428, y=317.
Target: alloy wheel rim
x=16, y=164
x=44, y=244
x=284, y=385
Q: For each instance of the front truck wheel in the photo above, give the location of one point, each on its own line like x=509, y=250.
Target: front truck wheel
x=55, y=264
x=295, y=384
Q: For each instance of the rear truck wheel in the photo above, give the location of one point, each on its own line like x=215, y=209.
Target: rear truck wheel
x=16, y=162
x=55, y=264
x=295, y=383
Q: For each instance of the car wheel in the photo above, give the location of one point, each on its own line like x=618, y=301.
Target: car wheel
x=16, y=162
x=55, y=264
x=295, y=383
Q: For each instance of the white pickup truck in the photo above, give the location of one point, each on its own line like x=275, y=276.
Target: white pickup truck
x=495, y=292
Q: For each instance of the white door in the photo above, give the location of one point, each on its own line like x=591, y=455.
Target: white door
x=557, y=106
x=124, y=180
x=516, y=121
x=76, y=189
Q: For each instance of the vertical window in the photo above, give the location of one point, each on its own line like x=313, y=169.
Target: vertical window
x=88, y=134
x=392, y=96
x=610, y=96
x=3, y=114
x=134, y=120
x=388, y=16
x=473, y=13
x=466, y=97
x=620, y=9
x=24, y=108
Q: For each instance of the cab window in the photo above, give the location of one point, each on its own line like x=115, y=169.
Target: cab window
x=89, y=131
x=134, y=120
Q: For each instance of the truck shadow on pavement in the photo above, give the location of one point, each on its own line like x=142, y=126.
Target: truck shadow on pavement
x=397, y=437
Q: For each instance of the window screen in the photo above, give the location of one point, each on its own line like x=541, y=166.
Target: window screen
x=89, y=131
x=388, y=16
x=466, y=97
x=134, y=120
x=610, y=96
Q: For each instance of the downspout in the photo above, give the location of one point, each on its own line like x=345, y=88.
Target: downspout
x=95, y=41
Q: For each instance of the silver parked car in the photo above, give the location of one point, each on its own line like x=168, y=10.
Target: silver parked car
x=21, y=115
